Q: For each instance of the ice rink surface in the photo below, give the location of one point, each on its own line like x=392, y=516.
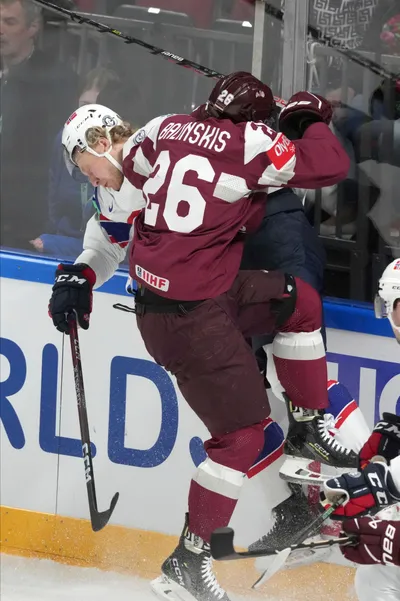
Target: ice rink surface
x=43, y=580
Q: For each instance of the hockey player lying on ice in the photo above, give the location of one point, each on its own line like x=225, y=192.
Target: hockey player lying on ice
x=193, y=308
x=378, y=485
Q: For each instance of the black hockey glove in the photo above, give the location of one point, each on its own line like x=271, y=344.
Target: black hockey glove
x=384, y=440
x=72, y=291
x=302, y=110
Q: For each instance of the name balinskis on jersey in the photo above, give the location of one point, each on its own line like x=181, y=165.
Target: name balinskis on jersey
x=199, y=134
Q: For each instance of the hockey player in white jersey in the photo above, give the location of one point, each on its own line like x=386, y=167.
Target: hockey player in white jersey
x=117, y=203
x=378, y=486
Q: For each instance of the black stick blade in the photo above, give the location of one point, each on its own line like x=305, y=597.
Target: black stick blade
x=221, y=544
x=101, y=519
x=222, y=547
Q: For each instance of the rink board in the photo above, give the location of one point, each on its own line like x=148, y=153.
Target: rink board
x=147, y=440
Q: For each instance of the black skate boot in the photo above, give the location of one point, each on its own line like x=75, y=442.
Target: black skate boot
x=311, y=438
x=187, y=574
x=291, y=516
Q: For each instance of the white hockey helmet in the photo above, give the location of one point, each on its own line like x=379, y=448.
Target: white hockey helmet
x=388, y=294
x=76, y=127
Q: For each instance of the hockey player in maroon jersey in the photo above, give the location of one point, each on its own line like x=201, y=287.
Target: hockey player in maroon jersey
x=286, y=241
x=194, y=309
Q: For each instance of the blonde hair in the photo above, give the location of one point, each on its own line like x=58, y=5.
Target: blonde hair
x=118, y=133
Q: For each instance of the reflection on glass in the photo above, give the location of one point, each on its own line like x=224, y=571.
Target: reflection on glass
x=50, y=65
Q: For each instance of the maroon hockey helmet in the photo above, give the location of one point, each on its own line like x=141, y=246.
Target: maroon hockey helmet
x=241, y=97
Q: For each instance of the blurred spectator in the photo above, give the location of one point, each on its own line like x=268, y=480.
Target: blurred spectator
x=354, y=25
x=69, y=199
x=344, y=22
x=390, y=36
x=350, y=25
x=378, y=37
x=377, y=146
x=372, y=141
x=36, y=94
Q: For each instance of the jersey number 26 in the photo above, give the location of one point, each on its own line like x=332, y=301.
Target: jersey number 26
x=178, y=192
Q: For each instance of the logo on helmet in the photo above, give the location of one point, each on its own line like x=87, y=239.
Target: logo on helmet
x=260, y=94
x=109, y=121
x=397, y=266
x=72, y=117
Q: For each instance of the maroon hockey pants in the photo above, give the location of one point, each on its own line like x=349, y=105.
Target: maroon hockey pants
x=217, y=373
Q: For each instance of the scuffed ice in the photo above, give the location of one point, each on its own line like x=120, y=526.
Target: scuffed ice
x=42, y=580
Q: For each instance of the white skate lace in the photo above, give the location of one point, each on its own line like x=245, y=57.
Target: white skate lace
x=328, y=430
x=210, y=579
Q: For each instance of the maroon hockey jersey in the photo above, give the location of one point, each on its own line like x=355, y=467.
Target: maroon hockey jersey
x=197, y=178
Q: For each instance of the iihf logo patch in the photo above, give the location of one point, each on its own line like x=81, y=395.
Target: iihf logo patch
x=140, y=136
x=152, y=280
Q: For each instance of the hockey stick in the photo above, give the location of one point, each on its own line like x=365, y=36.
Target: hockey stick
x=222, y=547
x=282, y=556
x=170, y=56
x=99, y=519
x=188, y=64
x=227, y=548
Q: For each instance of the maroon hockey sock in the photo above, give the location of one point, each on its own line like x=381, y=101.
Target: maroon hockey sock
x=215, y=488
x=208, y=510
x=299, y=352
x=304, y=381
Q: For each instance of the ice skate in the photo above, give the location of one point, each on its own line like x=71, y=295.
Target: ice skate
x=311, y=437
x=187, y=573
x=291, y=516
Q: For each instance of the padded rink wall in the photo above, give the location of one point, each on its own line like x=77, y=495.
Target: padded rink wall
x=147, y=442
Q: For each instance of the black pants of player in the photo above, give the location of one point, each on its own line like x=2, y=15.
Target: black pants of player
x=285, y=241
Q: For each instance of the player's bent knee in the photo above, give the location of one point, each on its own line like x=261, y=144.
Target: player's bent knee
x=307, y=314
x=299, y=346
x=229, y=458
x=237, y=450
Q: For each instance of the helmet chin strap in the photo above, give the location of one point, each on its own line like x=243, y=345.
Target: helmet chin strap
x=396, y=329
x=107, y=155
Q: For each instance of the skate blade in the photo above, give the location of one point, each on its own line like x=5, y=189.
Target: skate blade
x=165, y=588
x=296, y=558
x=295, y=469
